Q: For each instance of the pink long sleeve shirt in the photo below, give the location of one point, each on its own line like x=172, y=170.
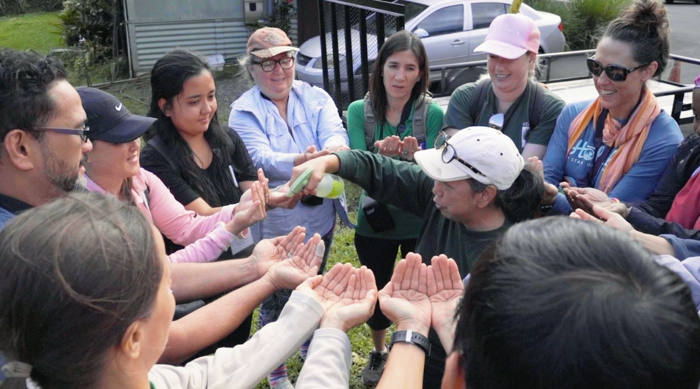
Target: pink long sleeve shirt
x=205, y=237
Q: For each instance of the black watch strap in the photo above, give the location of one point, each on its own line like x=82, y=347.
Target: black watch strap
x=411, y=337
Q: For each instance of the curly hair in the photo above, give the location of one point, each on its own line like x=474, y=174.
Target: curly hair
x=25, y=79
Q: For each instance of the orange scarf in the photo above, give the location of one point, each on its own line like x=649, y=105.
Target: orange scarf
x=628, y=139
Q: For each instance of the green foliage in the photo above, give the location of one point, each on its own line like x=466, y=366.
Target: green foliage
x=584, y=20
x=40, y=32
x=282, y=15
x=92, y=26
x=16, y=7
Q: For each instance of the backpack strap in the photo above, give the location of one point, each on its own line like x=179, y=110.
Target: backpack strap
x=479, y=98
x=369, y=124
x=536, y=97
x=420, y=118
x=158, y=146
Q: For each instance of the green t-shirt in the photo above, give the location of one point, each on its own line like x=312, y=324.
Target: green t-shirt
x=517, y=122
x=407, y=225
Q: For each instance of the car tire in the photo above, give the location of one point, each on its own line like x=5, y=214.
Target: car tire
x=458, y=77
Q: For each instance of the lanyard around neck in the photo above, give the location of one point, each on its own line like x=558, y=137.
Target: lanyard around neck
x=401, y=127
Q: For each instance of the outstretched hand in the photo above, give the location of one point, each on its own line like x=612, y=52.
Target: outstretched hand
x=404, y=300
x=390, y=146
x=353, y=294
x=410, y=147
x=445, y=288
x=301, y=264
x=605, y=216
x=249, y=211
x=270, y=251
x=329, y=287
x=309, y=154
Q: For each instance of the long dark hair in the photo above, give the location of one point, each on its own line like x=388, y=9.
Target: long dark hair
x=399, y=41
x=75, y=274
x=565, y=303
x=168, y=77
x=644, y=27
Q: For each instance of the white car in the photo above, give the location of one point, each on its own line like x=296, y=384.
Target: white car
x=450, y=30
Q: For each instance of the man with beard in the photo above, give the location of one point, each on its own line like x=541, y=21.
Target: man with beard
x=44, y=139
x=43, y=133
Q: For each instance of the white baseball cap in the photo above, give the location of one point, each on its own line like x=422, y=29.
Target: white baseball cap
x=480, y=153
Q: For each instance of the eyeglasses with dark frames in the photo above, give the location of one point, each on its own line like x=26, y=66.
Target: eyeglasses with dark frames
x=442, y=137
x=449, y=154
x=614, y=72
x=81, y=132
x=268, y=65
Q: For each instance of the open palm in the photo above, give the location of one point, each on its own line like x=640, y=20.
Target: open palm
x=354, y=303
x=301, y=264
x=270, y=251
x=404, y=299
x=445, y=288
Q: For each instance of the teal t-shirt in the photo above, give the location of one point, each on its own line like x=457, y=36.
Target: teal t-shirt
x=407, y=225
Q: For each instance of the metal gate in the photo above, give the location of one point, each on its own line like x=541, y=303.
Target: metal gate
x=352, y=31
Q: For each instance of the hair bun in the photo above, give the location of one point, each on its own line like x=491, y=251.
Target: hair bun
x=648, y=15
x=644, y=26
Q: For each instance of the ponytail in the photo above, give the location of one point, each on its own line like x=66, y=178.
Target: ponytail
x=522, y=199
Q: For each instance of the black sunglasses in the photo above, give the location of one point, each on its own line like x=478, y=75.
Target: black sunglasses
x=614, y=72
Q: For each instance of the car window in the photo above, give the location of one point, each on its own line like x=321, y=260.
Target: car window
x=412, y=10
x=389, y=25
x=484, y=13
x=444, y=21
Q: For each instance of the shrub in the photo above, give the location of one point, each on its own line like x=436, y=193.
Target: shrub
x=14, y=7
x=584, y=20
x=96, y=26
x=282, y=15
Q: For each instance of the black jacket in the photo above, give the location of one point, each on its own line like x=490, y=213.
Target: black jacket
x=648, y=217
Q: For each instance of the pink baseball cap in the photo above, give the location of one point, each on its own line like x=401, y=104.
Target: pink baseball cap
x=510, y=36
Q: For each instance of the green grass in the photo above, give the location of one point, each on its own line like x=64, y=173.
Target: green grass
x=40, y=32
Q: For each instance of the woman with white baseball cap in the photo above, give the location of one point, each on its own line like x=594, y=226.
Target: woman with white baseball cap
x=510, y=100
x=468, y=193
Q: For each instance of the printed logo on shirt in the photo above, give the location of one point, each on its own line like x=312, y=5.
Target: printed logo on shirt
x=582, y=154
x=524, y=133
x=582, y=150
